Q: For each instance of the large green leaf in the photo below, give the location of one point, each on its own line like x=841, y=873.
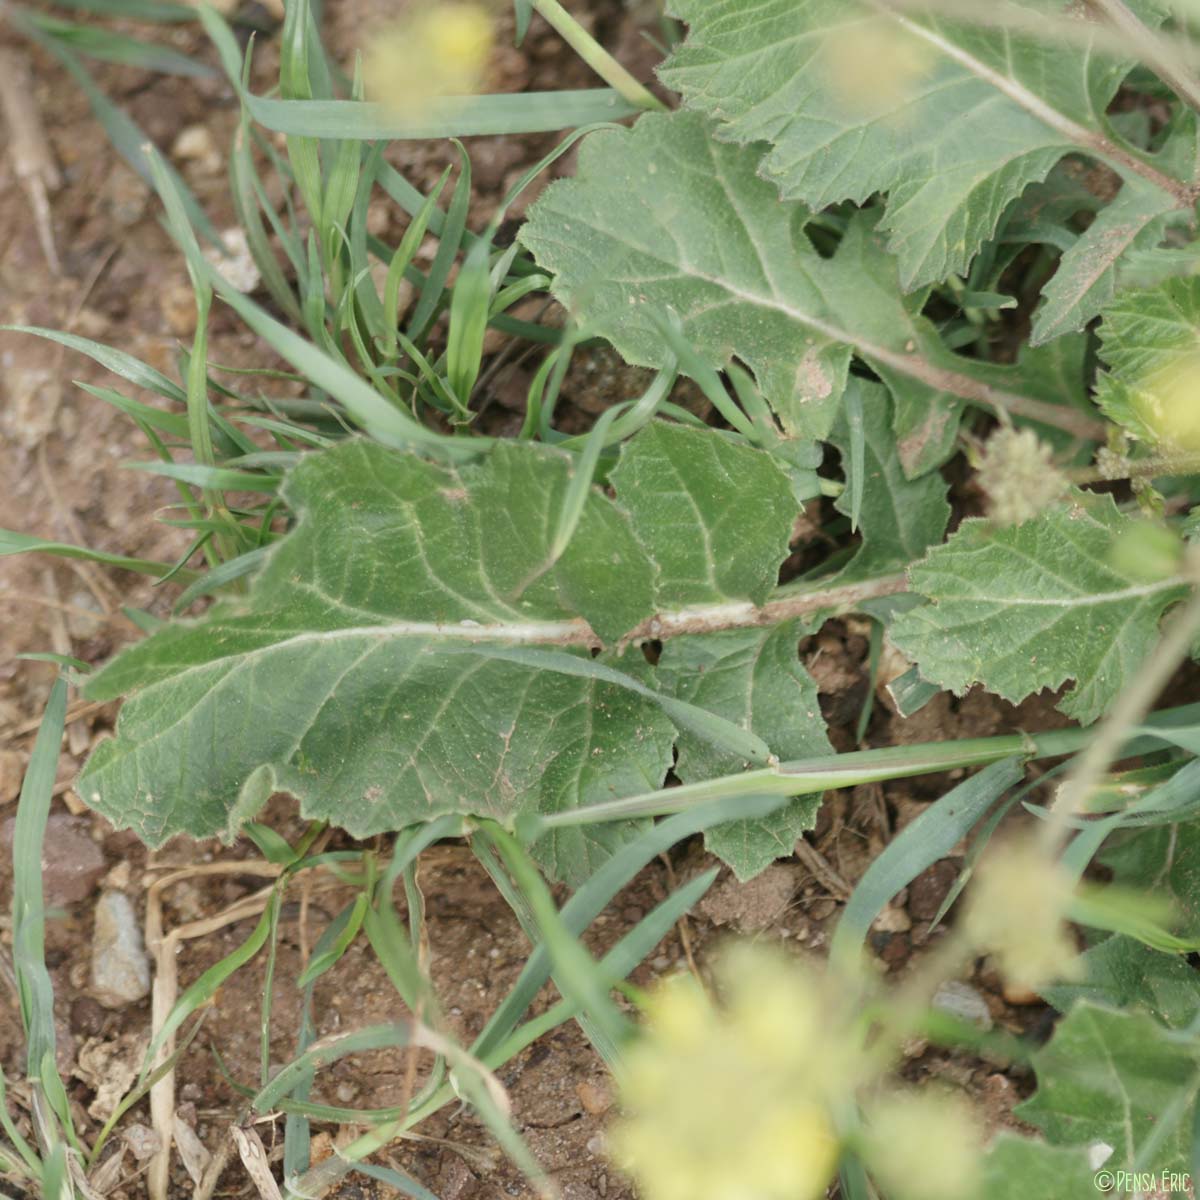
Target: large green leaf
x=1164, y=860
x=754, y=678
x=413, y=648
x=1121, y=1079
x=1034, y=606
x=952, y=119
x=663, y=217
x=697, y=482
x=1018, y=1168
x=1122, y=972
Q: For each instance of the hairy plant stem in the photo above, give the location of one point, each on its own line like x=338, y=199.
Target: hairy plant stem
x=596, y=56
x=782, y=607
x=1156, y=467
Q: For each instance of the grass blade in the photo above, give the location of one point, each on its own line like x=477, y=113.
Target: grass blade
x=29, y=947
x=448, y=247
x=450, y=116
x=12, y=542
x=920, y=844
x=117, y=361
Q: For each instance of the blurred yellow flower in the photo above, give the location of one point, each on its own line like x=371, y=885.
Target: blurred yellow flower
x=873, y=66
x=732, y=1102
x=1016, y=909
x=1147, y=550
x=435, y=50
x=1169, y=404
x=924, y=1146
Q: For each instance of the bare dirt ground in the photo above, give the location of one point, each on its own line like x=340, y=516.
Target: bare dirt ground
x=60, y=477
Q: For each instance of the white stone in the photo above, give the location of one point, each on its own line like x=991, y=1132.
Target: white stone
x=120, y=965
x=961, y=1000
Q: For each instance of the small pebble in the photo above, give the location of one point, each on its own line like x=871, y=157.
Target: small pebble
x=120, y=965
x=87, y=1017
x=892, y=920
x=930, y=889
x=72, y=863
x=196, y=144
x=961, y=1000
x=142, y=1141
x=237, y=263
x=595, y=1097
x=1020, y=996
x=12, y=772
x=85, y=618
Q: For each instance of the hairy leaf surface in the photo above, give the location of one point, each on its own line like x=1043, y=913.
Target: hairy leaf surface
x=754, y=678
x=1117, y=1078
x=952, y=119
x=412, y=648
x=1165, y=860
x=1117, y=245
x=663, y=217
x=1035, y=606
x=691, y=500
x=1016, y=1168
x=1122, y=972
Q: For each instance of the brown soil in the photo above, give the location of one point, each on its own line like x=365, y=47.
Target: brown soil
x=60, y=477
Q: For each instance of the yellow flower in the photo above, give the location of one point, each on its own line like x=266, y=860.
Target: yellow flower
x=924, y=1146
x=1168, y=403
x=874, y=66
x=1148, y=551
x=436, y=50
x=732, y=1102
x=1015, y=910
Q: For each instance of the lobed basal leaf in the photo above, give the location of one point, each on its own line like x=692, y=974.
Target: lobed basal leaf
x=412, y=647
x=665, y=217
x=951, y=116
x=1035, y=606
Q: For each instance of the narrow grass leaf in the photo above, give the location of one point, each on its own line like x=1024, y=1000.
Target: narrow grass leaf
x=209, y=478
x=12, y=542
x=445, y=117
x=117, y=361
x=920, y=844
x=29, y=949
x=344, y=929
x=449, y=243
x=205, y=988
x=220, y=576
x=469, y=312
x=110, y=46
x=402, y=259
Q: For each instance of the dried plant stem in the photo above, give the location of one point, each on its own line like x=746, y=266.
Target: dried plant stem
x=28, y=147
x=164, y=948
